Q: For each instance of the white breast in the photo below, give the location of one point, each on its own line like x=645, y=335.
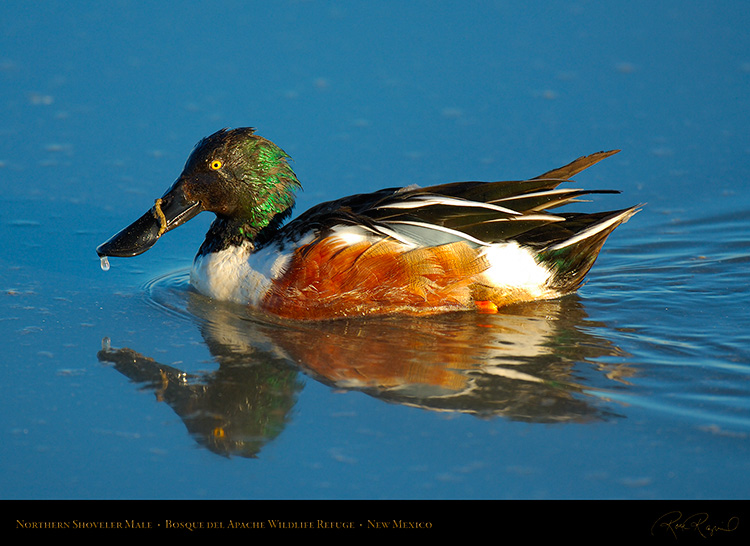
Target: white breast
x=237, y=274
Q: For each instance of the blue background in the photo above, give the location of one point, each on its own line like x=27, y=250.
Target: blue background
x=102, y=102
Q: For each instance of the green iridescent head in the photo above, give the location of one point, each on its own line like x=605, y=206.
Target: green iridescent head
x=243, y=178
x=238, y=174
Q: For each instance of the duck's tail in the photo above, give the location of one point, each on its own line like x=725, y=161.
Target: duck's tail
x=571, y=257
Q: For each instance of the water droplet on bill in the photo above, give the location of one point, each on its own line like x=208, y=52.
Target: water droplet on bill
x=105, y=263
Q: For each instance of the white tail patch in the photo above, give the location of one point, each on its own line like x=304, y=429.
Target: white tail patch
x=513, y=266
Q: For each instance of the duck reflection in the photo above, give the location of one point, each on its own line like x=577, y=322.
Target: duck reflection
x=534, y=362
x=235, y=410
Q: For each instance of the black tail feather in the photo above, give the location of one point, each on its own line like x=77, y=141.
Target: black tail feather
x=576, y=245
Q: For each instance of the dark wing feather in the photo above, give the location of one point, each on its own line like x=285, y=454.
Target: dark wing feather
x=575, y=167
x=487, y=212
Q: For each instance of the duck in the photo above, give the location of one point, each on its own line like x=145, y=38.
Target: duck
x=459, y=246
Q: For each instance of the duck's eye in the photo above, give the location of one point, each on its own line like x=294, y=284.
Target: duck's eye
x=216, y=165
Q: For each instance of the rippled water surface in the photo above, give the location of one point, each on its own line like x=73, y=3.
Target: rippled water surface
x=127, y=384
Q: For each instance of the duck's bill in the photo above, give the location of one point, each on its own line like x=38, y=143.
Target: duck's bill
x=172, y=210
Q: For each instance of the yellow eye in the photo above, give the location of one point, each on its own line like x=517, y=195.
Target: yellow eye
x=216, y=164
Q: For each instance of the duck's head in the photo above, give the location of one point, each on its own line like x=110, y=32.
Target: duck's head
x=243, y=178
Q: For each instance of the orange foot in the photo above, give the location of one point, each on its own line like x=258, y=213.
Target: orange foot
x=486, y=306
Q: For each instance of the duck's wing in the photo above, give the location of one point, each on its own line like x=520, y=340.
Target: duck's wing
x=478, y=213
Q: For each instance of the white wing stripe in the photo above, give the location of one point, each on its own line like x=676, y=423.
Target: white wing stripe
x=427, y=200
x=590, y=232
x=434, y=227
x=537, y=194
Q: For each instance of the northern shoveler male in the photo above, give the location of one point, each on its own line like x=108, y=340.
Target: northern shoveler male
x=456, y=246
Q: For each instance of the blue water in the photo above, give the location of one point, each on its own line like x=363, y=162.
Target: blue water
x=127, y=385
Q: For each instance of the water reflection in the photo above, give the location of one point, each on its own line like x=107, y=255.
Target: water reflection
x=534, y=362
x=232, y=411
